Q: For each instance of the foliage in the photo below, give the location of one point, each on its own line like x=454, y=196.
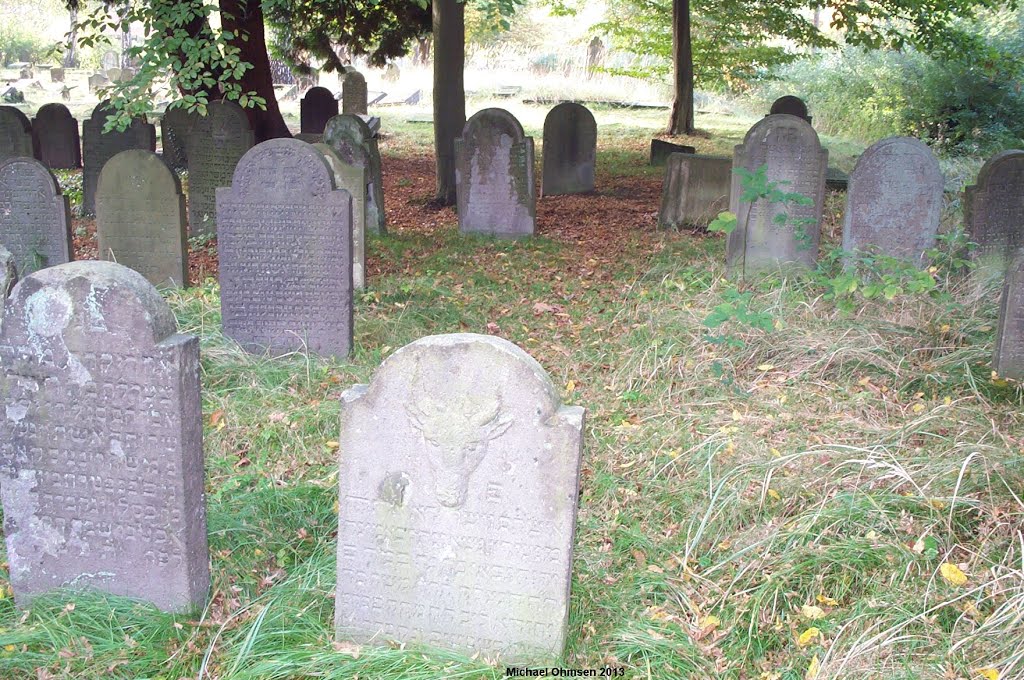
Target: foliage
x=18, y=44
x=757, y=187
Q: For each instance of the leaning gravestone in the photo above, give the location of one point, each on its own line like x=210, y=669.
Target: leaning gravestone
x=35, y=219
x=98, y=147
x=316, y=108
x=101, y=449
x=570, y=150
x=285, y=248
x=994, y=211
x=790, y=149
x=793, y=106
x=352, y=179
x=351, y=139
x=661, y=150
x=458, y=491
x=140, y=217
x=353, y=93
x=494, y=176
x=1008, y=359
x=894, y=200
x=695, y=190
x=56, y=136
x=175, y=126
x=15, y=134
x=214, y=146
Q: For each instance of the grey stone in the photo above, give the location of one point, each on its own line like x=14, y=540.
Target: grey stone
x=316, y=108
x=56, y=75
x=97, y=81
x=352, y=140
x=695, y=190
x=894, y=200
x=35, y=219
x=793, y=106
x=494, y=181
x=113, y=74
x=15, y=134
x=285, y=248
x=98, y=147
x=8, y=277
x=109, y=60
x=56, y=136
x=175, y=127
x=836, y=179
x=214, y=146
x=458, y=492
x=352, y=179
x=790, y=149
x=353, y=93
x=101, y=454
x=140, y=217
x=661, y=150
x=1008, y=358
x=570, y=150
x=994, y=211
x=310, y=137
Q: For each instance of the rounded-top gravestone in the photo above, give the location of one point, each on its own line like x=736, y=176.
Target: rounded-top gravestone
x=56, y=136
x=316, y=108
x=15, y=134
x=98, y=147
x=793, y=106
x=570, y=150
x=994, y=211
x=35, y=219
x=354, y=93
x=214, y=146
x=353, y=141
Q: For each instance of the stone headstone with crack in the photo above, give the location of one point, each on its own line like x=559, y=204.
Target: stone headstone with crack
x=35, y=219
x=175, y=126
x=352, y=140
x=285, y=248
x=354, y=93
x=101, y=455
x=57, y=137
x=98, y=147
x=352, y=179
x=994, y=211
x=214, y=146
x=458, y=493
x=15, y=134
x=570, y=150
x=695, y=190
x=316, y=108
x=793, y=106
x=661, y=150
x=1008, y=358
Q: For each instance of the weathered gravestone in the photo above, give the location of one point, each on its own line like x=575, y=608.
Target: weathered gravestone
x=97, y=81
x=214, y=146
x=285, y=247
x=352, y=179
x=793, y=106
x=494, y=183
x=1008, y=359
x=458, y=491
x=353, y=93
x=316, y=108
x=351, y=138
x=695, y=190
x=175, y=127
x=140, y=217
x=8, y=277
x=994, y=211
x=35, y=220
x=570, y=150
x=56, y=75
x=101, y=454
x=789, y=148
x=661, y=150
x=15, y=134
x=56, y=136
x=894, y=200
x=98, y=147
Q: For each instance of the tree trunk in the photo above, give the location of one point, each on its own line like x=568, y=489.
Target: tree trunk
x=681, y=122
x=71, y=56
x=449, y=91
x=245, y=18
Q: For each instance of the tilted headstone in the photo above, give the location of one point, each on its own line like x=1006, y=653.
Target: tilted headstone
x=570, y=150
x=35, y=219
x=696, y=189
x=458, y=492
x=98, y=147
x=661, y=150
x=57, y=137
x=790, y=149
x=96, y=81
x=353, y=93
x=352, y=140
x=15, y=134
x=1008, y=359
x=894, y=200
x=175, y=127
x=994, y=211
x=216, y=143
x=793, y=106
x=140, y=217
x=352, y=179
x=316, y=108
x=285, y=249
x=101, y=449
x=494, y=183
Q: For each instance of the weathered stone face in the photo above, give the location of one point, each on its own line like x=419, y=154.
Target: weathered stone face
x=101, y=458
x=216, y=143
x=96, y=81
x=175, y=128
x=661, y=150
x=285, y=247
x=1008, y=359
x=994, y=211
x=793, y=106
x=458, y=491
x=352, y=179
x=789, y=147
x=353, y=93
x=696, y=189
x=140, y=217
x=570, y=150
x=56, y=136
x=98, y=147
x=351, y=139
x=15, y=134
x=894, y=200
x=35, y=220
x=316, y=108
x=494, y=181
x=8, y=277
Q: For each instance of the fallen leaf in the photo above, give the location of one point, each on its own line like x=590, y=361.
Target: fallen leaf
x=710, y=622
x=765, y=367
x=953, y=574
x=988, y=673
x=808, y=636
x=348, y=649
x=827, y=601
x=332, y=445
x=812, y=669
x=812, y=612
x=216, y=417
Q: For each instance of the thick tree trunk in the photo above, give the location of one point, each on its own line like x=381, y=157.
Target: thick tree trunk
x=681, y=122
x=449, y=91
x=245, y=17
x=71, y=56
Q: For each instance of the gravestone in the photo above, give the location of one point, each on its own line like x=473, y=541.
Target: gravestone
x=494, y=176
x=101, y=450
x=35, y=219
x=285, y=248
x=458, y=492
x=994, y=211
x=352, y=179
x=790, y=149
x=353, y=93
x=894, y=200
x=56, y=75
x=351, y=139
x=175, y=127
x=793, y=106
x=109, y=60
x=15, y=134
x=56, y=136
x=214, y=146
x=696, y=189
x=8, y=277
x=316, y=108
x=97, y=81
x=113, y=74
x=1008, y=358
x=661, y=150
x=140, y=217
x=570, y=150
x=98, y=147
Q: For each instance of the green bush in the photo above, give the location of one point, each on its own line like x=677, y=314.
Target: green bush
x=18, y=45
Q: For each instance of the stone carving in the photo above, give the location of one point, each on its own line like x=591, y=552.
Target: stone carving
x=661, y=150
x=56, y=136
x=175, y=127
x=1008, y=359
x=994, y=211
x=213, y=147
x=98, y=147
x=352, y=179
x=15, y=134
x=788, y=104
x=353, y=93
x=351, y=139
x=696, y=189
x=316, y=108
x=570, y=150
x=35, y=219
